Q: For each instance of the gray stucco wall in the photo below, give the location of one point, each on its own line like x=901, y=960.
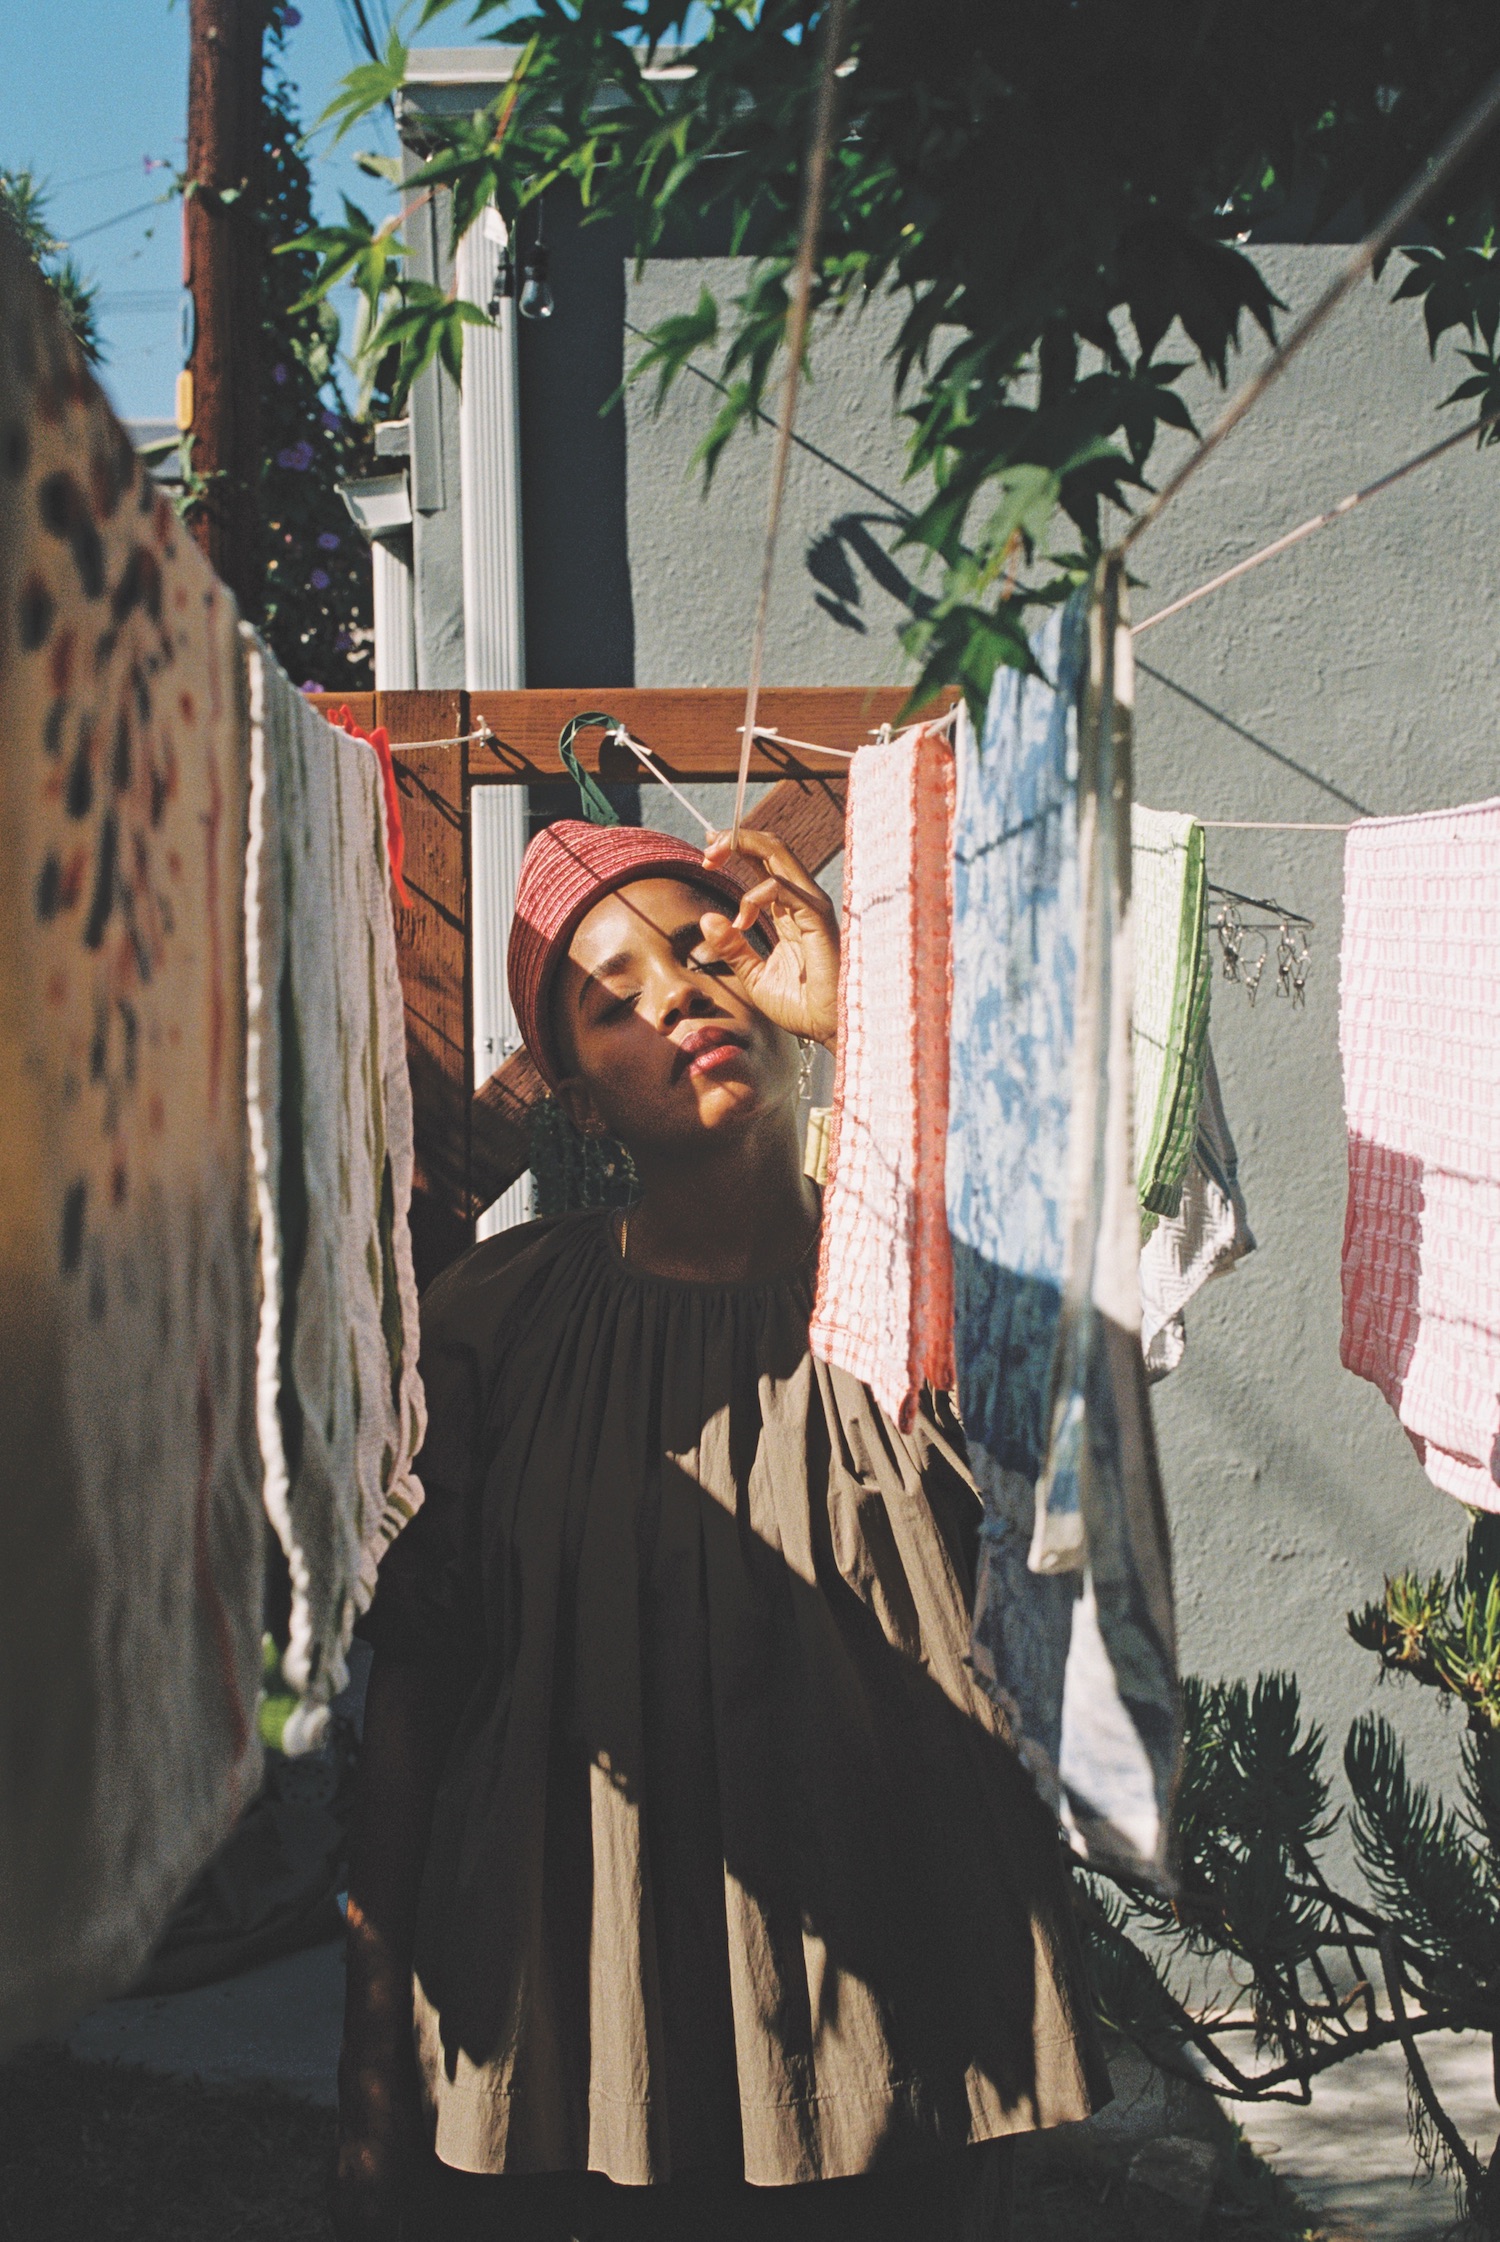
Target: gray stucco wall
x=1363, y=670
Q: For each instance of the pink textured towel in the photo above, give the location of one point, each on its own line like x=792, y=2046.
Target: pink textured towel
x=1419, y=1029
x=884, y=1310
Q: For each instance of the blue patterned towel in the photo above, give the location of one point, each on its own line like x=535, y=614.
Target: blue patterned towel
x=1015, y=967
x=1075, y=1638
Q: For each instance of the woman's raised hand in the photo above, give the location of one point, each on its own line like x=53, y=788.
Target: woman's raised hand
x=797, y=986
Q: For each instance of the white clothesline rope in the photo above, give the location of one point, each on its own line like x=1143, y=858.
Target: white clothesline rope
x=1272, y=825
x=459, y=739
x=1333, y=513
x=799, y=309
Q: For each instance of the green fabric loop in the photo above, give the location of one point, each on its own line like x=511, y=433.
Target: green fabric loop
x=596, y=804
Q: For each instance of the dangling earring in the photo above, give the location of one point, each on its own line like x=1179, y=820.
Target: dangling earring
x=593, y=1129
x=804, y=1073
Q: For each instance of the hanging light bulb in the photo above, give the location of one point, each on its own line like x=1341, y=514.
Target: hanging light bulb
x=536, y=299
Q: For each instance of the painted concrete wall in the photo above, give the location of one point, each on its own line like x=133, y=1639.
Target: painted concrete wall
x=1362, y=670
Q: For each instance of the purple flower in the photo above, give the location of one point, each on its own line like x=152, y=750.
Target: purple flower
x=320, y=579
x=342, y=643
x=331, y=421
x=311, y=685
x=291, y=17
x=328, y=541
x=278, y=375
x=298, y=456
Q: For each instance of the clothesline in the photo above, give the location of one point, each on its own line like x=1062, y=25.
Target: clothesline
x=1318, y=521
x=1272, y=825
x=459, y=739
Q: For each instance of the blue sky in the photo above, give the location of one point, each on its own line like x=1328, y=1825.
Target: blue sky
x=94, y=87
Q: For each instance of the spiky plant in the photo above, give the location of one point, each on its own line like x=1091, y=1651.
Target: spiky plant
x=1327, y=1975
x=23, y=198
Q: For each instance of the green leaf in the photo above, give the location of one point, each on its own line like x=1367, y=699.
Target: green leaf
x=369, y=86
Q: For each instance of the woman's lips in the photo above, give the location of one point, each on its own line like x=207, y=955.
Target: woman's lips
x=707, y=1051
x=715, y=1056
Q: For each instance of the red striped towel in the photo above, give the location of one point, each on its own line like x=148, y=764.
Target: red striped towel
x=1419, y=1029
x=884, y=1309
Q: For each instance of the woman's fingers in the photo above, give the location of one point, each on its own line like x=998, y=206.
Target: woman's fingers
x=773, y=853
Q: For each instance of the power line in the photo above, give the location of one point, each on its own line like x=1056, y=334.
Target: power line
x=118, y=220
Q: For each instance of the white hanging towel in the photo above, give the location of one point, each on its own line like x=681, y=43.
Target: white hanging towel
x=130, y=1520
x=1207, y=1237
x=338, y=1396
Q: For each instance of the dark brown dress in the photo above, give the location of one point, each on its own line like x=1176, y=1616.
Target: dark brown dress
x=733, y=1870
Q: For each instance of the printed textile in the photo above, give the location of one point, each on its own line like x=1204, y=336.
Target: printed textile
x=1074, y=1634
x=1169, y=1010
x=1419, y=1031
x=884, y=1308
x=1207, y=1237
x=338, y=1396
x=130, y=1591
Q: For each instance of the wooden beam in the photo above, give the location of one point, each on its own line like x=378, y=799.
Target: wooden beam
x=692, y=731
x=809, y=817
x=432, y=951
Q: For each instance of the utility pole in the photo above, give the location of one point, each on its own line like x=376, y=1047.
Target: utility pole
x=219, y=393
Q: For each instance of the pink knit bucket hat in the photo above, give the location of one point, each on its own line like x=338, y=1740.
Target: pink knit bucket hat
x=563, y=874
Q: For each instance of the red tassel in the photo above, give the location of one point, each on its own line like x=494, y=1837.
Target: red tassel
x=395, y=836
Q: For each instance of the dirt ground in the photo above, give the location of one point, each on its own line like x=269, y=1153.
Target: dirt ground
x=99, y=2152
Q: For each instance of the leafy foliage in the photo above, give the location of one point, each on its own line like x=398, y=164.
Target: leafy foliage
x=315, y=608
x=24, y=201
x=1052, y=193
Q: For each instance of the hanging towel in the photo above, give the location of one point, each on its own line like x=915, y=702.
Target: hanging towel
x=1419, y=1031
x=1169, y=1014
x=884, y=1307
x=1074, y=1631
x=1015, y=970
x=339, y=1399
x=1209, y=1234
x=130, y=1521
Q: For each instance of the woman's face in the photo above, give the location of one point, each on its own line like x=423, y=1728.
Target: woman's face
x=658, y=1040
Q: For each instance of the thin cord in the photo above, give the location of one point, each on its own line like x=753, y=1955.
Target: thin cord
x=1318, y=521
x=644, y=755
x=808, y=747
x=1439, y=169
x=796, y=339
x=461, y=739
x=1269, y=825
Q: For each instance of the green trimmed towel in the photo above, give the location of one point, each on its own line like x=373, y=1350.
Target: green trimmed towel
x=1170, y=1014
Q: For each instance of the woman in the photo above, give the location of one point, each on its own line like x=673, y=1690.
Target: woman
x=695, y=1889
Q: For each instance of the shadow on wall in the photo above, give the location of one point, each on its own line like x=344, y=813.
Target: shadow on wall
x=830, y=562
x=580, y=616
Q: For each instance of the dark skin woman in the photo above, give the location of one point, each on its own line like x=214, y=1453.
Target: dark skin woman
x=694, y=1887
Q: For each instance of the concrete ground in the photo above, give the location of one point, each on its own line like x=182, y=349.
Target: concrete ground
x=277, y=2025
x=1346, y=2157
